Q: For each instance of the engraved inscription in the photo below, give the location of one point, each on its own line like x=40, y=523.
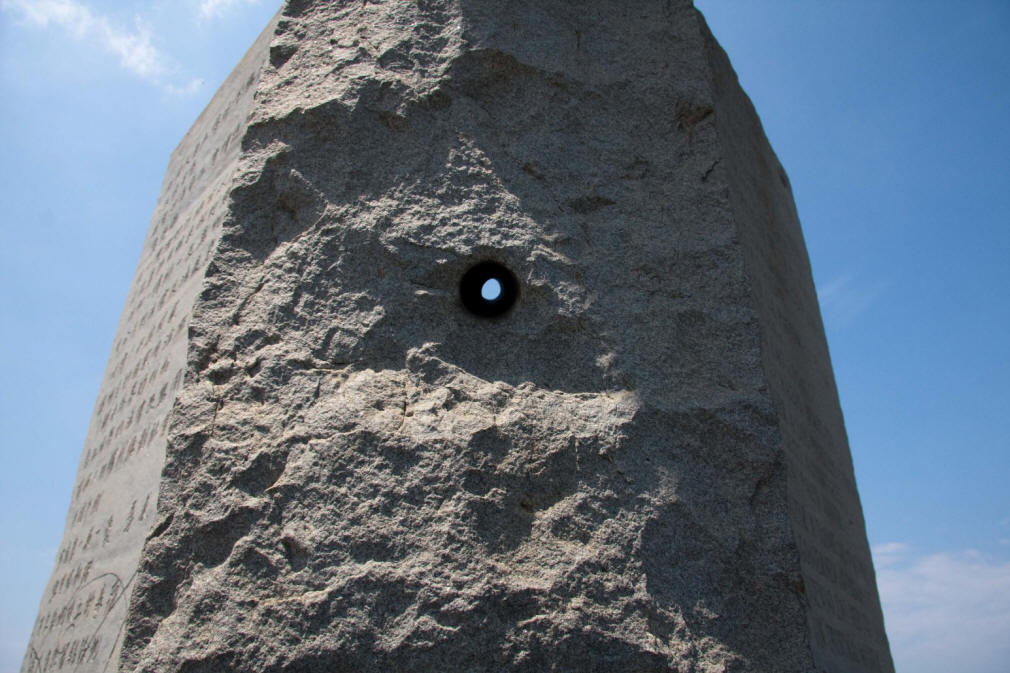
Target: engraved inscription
x=115, y=495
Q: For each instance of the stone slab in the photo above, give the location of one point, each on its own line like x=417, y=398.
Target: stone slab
x=641, y=465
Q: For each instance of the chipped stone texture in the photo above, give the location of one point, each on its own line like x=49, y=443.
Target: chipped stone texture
x=641, y=467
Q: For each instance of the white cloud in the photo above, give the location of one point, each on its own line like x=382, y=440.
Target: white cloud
x=844, y=298
x=945, y=612
x=214, y=8
x=44, y=12
x=187, y=89
x=133, y=47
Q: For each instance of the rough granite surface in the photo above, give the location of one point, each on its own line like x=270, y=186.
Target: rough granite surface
x=641, y=467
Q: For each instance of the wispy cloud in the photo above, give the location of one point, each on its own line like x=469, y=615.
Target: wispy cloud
x=214, y=8
x=947, y=611
x=133, y=46
x=844, y=298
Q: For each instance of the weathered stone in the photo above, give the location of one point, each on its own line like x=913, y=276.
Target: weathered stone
x=641, y=466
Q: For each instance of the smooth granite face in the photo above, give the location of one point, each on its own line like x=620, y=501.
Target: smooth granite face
x=640, y=466
x=79, y=627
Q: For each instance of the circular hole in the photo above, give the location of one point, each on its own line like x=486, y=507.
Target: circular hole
x=491, y=289
x=488, y=289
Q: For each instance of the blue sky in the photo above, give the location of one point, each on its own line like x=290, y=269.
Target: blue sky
x=891, y=119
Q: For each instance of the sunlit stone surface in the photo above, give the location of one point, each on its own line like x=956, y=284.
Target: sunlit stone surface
x=309, y=456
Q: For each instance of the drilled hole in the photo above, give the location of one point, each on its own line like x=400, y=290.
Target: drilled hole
x=488, y=289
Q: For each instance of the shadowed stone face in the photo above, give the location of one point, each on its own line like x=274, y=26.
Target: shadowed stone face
x=371, y=467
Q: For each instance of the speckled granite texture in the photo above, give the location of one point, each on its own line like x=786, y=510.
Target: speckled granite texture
x=641, y=467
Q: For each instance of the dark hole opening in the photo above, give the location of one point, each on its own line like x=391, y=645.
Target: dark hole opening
x=488, y=289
